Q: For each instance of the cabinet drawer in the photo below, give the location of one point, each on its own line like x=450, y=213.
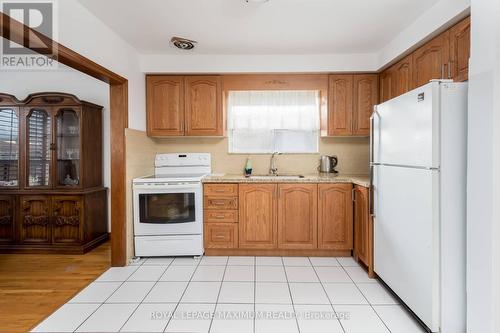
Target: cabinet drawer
x=220, y=203
x=221, y=236
x=227, y=216
x=230, y=190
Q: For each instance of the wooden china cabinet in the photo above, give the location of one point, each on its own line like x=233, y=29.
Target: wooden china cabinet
x=51, y=186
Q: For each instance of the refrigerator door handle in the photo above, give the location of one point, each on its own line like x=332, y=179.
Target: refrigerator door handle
x=372, y=124
x=371, y=195
x=372, y=141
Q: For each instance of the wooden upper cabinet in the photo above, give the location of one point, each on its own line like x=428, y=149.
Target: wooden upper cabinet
x=340, y=98
x=257, y=216
x=431, y=60
x=386, y=79
x=460, y=50
x=165, y=105
x=184, y=105
x=365, y=97
x=402, y=76
x=203, y=106
x=335, y=230
x=297, y=216
x=362, y=241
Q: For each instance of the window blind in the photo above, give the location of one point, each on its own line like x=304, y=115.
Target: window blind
x=273, y=120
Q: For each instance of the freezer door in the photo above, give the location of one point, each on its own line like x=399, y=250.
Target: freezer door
x=406, y=129
x=406, y=237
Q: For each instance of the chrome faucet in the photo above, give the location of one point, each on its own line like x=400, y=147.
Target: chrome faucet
x=273, y=170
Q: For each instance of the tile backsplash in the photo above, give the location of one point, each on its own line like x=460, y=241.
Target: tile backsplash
x=353, y=155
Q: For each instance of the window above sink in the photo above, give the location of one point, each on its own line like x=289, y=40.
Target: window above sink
x=273, y=120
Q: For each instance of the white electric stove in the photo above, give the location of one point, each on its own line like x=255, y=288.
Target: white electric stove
x=168, y=206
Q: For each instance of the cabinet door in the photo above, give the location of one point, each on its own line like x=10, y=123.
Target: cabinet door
x=39, y=147
x=361, y=225
x=335, y=216
x=35, y=219
x=340, y=105
x=67, y=217
x=402, y=74
x=203, y=106
x=257, y=221
x=165, y=105
x=7, y=218
x=9, y=147
x=431, y=60
x=365, y=97
x=460, y=50
x=68, y=144
x=386, y=85
x=297, y=216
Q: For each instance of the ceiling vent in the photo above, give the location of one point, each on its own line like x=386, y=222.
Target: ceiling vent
x=183, y=43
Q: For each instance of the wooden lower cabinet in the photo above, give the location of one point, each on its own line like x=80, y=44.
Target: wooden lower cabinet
x=297, y=216
x=257, y=216
x=360, y=223
x=335, y=230
x=73, y=223
x=35, y=224
x=221, y=235
x=7, y=219
x=279, y=219
x=67, y=219
x=363, y=228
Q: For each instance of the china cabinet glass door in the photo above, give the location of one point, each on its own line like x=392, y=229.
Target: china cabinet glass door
x=9, y=147
x=39, y=136
x=68, y=147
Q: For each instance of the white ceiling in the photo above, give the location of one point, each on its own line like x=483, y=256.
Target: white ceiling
x=225, y=27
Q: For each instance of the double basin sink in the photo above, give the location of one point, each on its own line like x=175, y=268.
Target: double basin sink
x=277, y=176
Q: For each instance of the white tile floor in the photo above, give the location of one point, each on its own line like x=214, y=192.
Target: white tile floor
x=235, y=294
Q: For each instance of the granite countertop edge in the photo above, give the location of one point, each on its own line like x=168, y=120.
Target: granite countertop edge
x=362, y=180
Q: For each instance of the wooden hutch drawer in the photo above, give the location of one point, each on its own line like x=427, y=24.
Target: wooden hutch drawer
x=221, y=236
x=220, y=203
x=227, y=216
x=230, y=190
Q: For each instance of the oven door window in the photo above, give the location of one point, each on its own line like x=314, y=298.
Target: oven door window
x=165, y=208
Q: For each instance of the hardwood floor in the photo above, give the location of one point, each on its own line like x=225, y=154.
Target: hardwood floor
x=32, y=286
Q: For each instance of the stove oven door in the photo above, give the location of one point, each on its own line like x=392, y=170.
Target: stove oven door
x=168, y=209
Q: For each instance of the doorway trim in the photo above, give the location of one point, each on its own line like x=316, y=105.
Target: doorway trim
x=21, y=34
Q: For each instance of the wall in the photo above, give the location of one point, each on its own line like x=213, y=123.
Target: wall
x=436, y=19
x=67, y=80
x=353, y=155
x=82, y=32
x=258, y=63
x=140, y=158
x=483, y=197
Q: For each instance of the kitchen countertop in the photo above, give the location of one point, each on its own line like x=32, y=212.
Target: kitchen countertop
x=363, y=180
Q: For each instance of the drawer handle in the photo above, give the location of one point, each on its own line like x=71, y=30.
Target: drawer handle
x=220, y=216
x=220, y=237
x=219, y=190
x=218, y=203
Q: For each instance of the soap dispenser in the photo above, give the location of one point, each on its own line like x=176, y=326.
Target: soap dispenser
x=248, y=168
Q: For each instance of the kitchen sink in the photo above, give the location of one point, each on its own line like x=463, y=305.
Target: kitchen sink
x=277, y=176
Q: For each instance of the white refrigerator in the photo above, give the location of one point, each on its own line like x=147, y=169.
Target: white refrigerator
x=418, y=173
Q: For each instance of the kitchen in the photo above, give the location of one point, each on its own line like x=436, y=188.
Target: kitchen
x=273, y=185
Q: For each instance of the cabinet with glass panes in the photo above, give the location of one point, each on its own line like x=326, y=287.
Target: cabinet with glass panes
x=51, y=173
